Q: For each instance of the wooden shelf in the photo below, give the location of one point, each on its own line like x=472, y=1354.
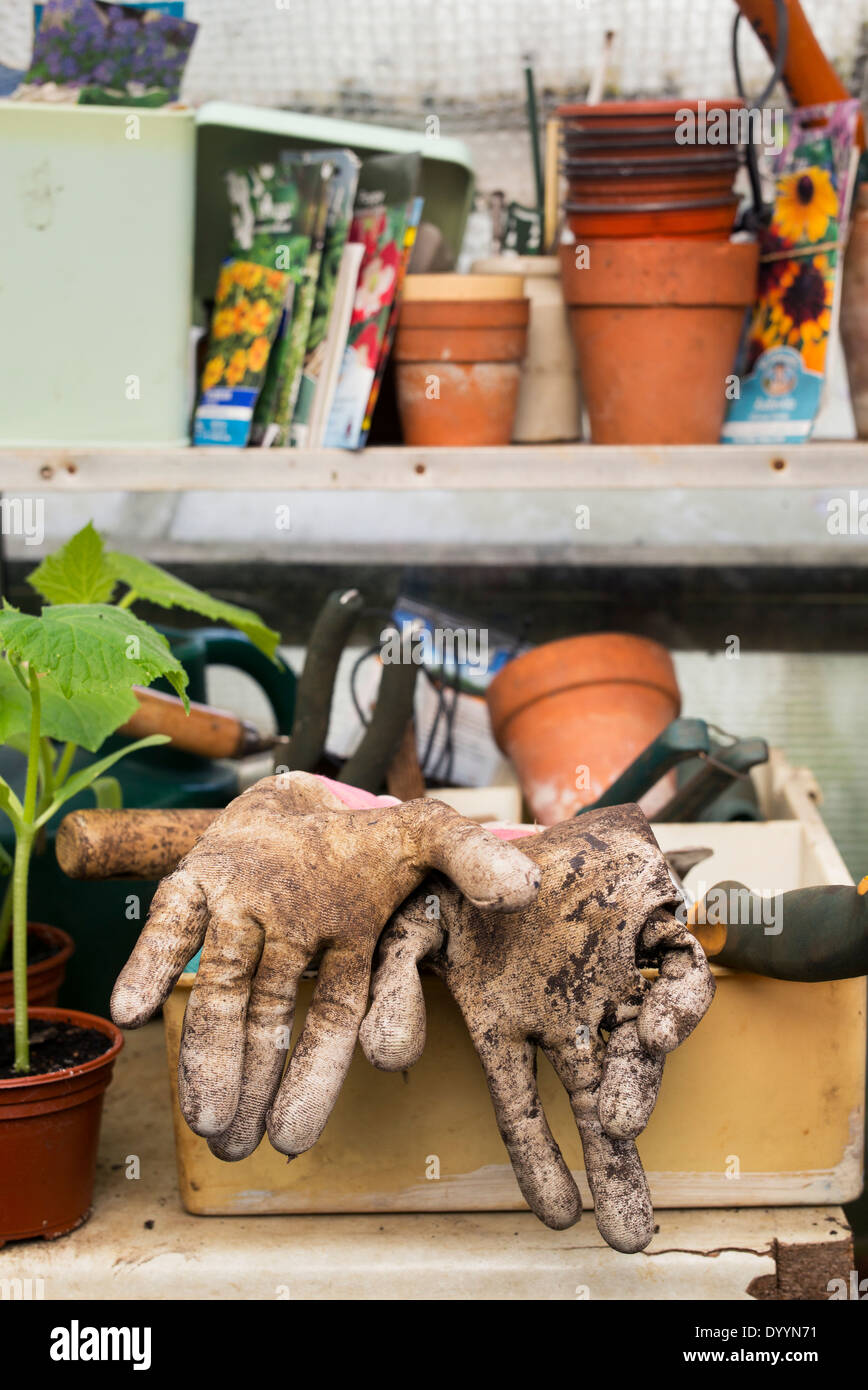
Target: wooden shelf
x=519, y=468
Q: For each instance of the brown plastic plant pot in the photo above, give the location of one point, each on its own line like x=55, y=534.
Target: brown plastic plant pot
x=49, y=1131
x=479, y=313
x=460, y=344
x=714, y=220
x=656, y=323
x=46, y=976
x=572, y=715
x=457, y=404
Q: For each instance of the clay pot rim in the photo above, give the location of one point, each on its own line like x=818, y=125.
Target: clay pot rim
x=692, y=205
x=720, y=267
x=416, y=287
x=78, y=1019
x=504, y=706
x=583, y=164
x=440, y=316
x=607, y=110
x=66, y=947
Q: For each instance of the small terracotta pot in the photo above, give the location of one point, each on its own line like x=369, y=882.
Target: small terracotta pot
x=457, y=403
x=854, y=313
x=653, y=188
x=656, y=323
x=46, y=976
x=49, y=1130
x=460, y=344
x=466, y=313
x=458, y=385
x=714, y=218
x=579, y=711
x=616, y=115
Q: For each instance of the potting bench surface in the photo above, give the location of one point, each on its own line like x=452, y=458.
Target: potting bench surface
x=141, y=1244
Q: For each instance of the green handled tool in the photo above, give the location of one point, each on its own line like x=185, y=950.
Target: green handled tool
x=808, y=934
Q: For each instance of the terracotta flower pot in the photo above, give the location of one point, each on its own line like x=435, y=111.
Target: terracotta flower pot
x=49, y=1130
x=578, y=711
x=460, y=344
x=464, y=313
x=45, y=977
x=619, y=115
x=458, y=385
x=854, y=313
x=714, y=218
x=656, y=323
x=457, y=403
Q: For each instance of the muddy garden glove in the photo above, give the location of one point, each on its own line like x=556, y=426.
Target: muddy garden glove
x=559, y=975
x=284, y=872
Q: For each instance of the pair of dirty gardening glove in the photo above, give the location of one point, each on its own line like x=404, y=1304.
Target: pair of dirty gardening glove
x=541, y=946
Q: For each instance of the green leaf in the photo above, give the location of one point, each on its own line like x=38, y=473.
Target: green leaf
x=107, y=793
x=91, y=648
x=87, y=776
x=77, y=573
x=158, y=586
x=87, y=719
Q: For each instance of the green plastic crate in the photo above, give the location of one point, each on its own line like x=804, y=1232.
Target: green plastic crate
x=111, y=220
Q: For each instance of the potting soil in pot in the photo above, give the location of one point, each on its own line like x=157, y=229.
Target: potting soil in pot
x=53, y=1047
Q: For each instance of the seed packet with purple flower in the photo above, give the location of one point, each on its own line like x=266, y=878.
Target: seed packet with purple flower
x=95, y=53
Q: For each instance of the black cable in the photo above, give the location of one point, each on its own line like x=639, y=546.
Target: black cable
x=762, y=213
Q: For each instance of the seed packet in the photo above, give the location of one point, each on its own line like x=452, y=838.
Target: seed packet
x=274, y=409
x=342, y=193
x=793, y=321
x=387, y=186
x=247, y=311
x=414, y=217
x=95, y=53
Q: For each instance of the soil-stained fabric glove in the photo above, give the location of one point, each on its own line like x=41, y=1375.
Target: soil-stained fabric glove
x=288, y=870
x=560, y=975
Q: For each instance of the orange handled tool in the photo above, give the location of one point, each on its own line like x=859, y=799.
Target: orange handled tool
x=209, y=732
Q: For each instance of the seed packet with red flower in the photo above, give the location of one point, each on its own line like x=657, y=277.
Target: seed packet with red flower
x=384, y=202
x=779, y=393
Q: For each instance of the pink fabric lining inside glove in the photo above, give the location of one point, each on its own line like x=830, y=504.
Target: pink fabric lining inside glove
x=359, y=800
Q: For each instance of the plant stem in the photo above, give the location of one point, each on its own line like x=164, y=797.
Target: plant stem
x=129, y=598
x=20, y=874
x=62, y=770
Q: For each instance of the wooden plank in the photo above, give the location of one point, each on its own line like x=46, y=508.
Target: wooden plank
x=519, y=468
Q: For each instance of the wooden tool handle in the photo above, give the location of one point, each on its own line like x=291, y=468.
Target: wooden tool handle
x=209, y=732
x=144, y=844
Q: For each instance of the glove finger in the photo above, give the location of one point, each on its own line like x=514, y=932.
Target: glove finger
x=211, y=1059
x=393, y=1032
x=684, y=987
x=492, y=873
x=546, y=1182
x=630, y=1083
x=268, y=1030
x=321, y=1057
x=171, y=936
x=622, y=1202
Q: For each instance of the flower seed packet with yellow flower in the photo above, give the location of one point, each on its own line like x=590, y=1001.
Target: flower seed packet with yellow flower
x=247, y=312
x=793, y=321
